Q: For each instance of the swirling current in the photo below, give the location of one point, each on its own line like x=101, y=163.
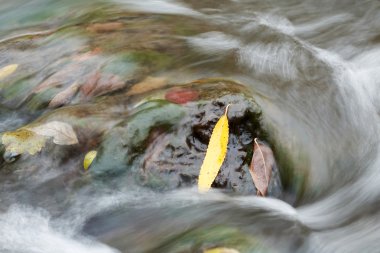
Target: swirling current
x=312, y=66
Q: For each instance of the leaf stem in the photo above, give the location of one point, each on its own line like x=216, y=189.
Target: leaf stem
x=226, y=110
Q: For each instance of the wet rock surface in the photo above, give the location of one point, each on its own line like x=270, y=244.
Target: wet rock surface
x=159, y=142
x=163, y=144
x=175, y=157
x=105, y=56
x=145, y=127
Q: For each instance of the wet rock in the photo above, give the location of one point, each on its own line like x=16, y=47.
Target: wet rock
x=126, y=141
x=159, y=142
x=163, y=143
x=112, y=55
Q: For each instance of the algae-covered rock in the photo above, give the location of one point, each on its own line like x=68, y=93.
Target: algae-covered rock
x=162, y=144
x=216, y=237
x=127, y=140
x=74, y=64
x=160, y=137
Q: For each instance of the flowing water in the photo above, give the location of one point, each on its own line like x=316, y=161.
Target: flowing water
x=313, y=67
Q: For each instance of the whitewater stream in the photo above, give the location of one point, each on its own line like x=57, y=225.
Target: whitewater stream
x=312, y=66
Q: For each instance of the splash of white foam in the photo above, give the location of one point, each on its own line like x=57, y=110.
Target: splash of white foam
x=159, y=6
x=26, y=230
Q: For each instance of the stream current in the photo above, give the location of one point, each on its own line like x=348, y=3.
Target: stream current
x=313, y=67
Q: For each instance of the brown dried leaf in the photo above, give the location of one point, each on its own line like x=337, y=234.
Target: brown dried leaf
x=90, y=84
x=261, y=166
x=64, y=96
x=60, y=77
x=75, y=70
x=62, y=133
x=99, y=84
x=148, y=84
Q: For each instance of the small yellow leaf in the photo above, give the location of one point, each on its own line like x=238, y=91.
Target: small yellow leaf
x=23, y=141
x=90, y=156
x=221, y=250
x=7, y=70
x=216, y=152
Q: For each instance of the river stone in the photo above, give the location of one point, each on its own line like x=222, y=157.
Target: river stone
x=163, y=144
x=158, y=140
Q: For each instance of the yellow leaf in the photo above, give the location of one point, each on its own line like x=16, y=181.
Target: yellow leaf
x=216, y=152
x=221, y=250
x=7, y=70
x=23, y=141
x=89, y=157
